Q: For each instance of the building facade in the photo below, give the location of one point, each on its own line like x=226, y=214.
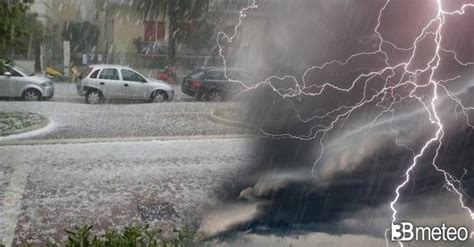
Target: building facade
x=130, y=35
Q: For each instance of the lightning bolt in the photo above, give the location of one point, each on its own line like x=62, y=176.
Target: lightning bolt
x=385, y=98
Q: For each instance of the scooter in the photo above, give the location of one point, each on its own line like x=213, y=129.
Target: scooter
x=54, y=74
x=168, y=74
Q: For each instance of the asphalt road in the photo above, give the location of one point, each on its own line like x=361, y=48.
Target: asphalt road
x=47, y=188
x=109, y=179
x=71, y=120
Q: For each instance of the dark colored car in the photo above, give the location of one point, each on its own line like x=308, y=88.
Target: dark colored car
x=211, y=84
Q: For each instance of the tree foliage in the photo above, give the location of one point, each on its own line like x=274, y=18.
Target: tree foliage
x=18, y=28
x=131, y=236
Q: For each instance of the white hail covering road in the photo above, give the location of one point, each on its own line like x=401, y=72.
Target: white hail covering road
x=47, y=188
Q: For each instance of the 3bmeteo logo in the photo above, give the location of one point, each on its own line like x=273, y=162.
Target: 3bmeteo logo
x=406, y=232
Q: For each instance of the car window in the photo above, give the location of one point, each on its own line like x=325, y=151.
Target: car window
x=109, y=74
x=197, y=75
x=129, y=75
x=215, y=75
x=13, y=72
x=94, y=74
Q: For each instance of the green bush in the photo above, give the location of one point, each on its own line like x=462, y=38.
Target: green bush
x=134, y=236
x=13, y=122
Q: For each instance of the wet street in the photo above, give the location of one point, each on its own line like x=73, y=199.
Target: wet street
x=112, y=165
x=78, y=120
x=71, y=118
x=47, y=188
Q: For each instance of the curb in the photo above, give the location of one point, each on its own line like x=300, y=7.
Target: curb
x=119, y=139
x=227, y=122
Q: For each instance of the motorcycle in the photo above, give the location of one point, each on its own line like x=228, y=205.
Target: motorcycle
x=55, y=75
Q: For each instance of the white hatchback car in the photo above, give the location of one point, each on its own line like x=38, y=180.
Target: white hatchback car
x=16, y=81
x=121, y=82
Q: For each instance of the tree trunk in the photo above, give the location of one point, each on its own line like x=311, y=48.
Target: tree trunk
x=171, y=33
x=37, y=52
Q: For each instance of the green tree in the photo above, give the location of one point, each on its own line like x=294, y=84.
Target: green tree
x=35, y=36
x=20, y=31
x=14, y=32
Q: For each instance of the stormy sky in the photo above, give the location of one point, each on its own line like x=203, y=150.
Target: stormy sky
x=308, y=178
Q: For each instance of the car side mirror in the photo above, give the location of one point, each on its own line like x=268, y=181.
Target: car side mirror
x=7, y=73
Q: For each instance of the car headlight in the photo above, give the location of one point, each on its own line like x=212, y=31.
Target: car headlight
x=46, y=83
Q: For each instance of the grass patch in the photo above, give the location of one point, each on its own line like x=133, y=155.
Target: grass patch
x=15, y=122
x=139, y=236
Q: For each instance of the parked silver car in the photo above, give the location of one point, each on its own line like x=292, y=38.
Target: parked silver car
x=121, y=82
x=19, y=82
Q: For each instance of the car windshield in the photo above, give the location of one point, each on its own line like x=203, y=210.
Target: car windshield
x=24, y=71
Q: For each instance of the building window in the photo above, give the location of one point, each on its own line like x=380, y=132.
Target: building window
x=154, y=30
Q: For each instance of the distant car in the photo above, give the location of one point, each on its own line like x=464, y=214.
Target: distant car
x=211, y=84
x=16, y=81
x=121, y=82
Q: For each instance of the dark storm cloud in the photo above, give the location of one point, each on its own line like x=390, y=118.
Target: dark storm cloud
x=361, y=166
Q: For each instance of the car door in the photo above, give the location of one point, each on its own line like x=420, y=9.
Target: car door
x=135, y=85
x=216, y=80
x=5, y=84
x=8, y=84
x=110, y=83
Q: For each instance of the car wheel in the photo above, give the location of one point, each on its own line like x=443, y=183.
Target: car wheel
x=93, y=97
x=31, y=95
x=214, y=96
x=159, y=96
